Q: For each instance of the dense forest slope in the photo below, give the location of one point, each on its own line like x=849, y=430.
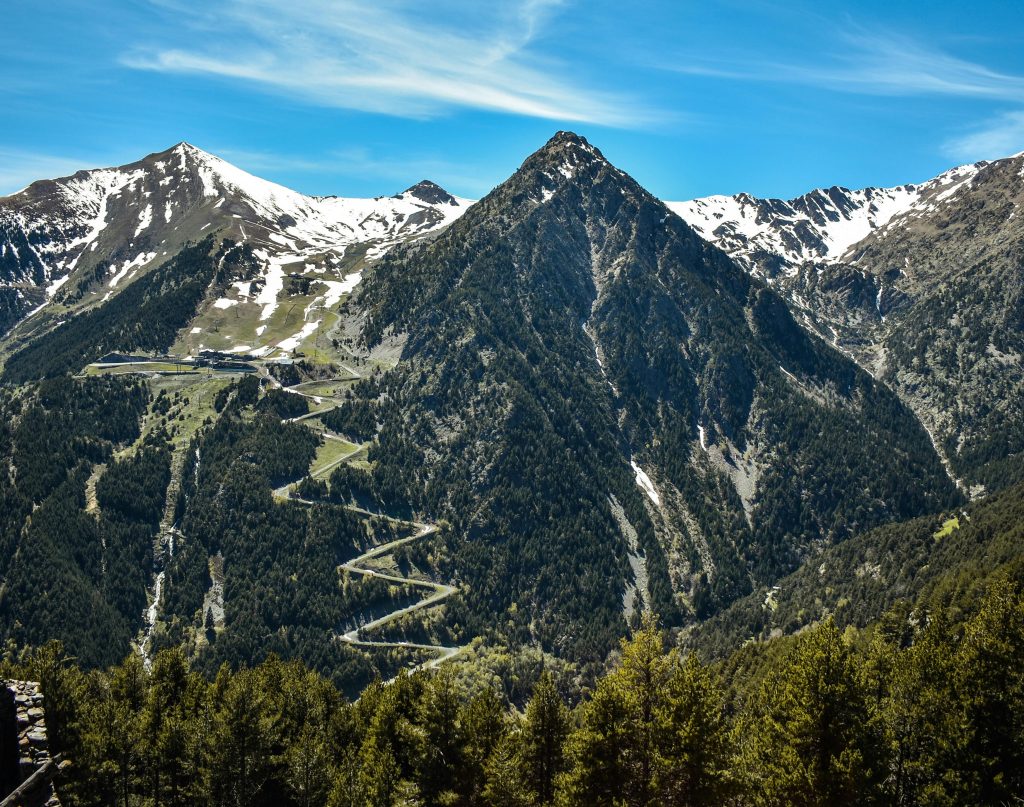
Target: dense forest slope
x=931, y=559
x=570, y=336
x=100, y=552
x=69, y=574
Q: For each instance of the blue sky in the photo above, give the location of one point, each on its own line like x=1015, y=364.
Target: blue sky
x=692, y=97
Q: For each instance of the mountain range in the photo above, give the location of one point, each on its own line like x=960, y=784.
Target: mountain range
x=588, y=403
x=920, y=285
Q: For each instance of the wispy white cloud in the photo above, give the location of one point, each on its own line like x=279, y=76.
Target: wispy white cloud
x=393, y=56
x=998, y=137
x=872, y=62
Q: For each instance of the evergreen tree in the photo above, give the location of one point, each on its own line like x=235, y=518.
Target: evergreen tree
x=505, y=786
x=695, y=747
x=542, y=739
x=595, y=753
x=380, y=778
x=921, y=713
x=308, y=761
x=484, y=725
x=441, y=755
x=991, y=665
x=164, y=727
x=242, y=743
x=810, y=741
x=614, y=753
x=347, y=789
x=123, y=707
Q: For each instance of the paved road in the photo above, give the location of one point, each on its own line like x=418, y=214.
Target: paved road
x=438, y=591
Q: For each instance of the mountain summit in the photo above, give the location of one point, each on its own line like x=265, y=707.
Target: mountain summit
x=570, y=335
x=431, y=193
x=64, y=240
x=568, y=152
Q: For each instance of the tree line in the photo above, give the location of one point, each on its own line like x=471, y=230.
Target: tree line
x=923, y=708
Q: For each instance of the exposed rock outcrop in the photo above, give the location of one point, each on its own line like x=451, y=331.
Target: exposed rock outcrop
x=27, y=767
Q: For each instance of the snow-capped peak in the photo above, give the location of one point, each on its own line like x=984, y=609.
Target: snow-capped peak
x=821, y=226
x=327, y=221
x=150, y=208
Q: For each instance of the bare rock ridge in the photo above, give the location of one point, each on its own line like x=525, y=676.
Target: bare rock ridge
x=773, y=236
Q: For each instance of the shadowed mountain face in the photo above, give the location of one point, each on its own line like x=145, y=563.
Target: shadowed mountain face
x=923, y=285
x=616, y=414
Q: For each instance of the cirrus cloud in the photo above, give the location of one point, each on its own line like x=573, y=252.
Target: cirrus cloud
x=998, y=137
x=390, y=58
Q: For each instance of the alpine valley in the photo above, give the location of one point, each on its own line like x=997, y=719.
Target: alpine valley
x=496, y=437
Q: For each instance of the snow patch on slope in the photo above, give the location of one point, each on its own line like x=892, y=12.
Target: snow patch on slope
x=89, y=195
x=274, y=283
x=644, y=481
x=145, y=219
x=293, y=342
x=139, y=260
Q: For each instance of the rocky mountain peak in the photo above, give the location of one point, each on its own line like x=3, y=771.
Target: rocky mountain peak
x=567, y=153
x=429, y=192
x=571, y=283
x=564, y=137
x=567, y=166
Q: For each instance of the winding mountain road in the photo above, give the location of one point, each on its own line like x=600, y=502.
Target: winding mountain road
x=438, y=592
